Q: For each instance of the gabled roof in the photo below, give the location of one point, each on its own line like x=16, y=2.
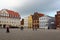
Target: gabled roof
x=12, y=13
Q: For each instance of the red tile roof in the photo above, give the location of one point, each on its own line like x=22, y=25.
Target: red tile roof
x=13, y=14
x=40, y=14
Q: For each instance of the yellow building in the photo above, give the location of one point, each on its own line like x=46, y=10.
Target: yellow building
x=30, y=21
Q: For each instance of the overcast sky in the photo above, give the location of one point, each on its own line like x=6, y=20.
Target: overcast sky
x=27, y=7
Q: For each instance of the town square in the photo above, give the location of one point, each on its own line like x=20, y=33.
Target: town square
x=29, y=19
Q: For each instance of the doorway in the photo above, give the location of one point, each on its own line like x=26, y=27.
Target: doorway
x=4, y=26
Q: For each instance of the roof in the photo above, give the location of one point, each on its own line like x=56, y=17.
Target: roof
x=53, y=18
x=40, y=14
x=12, y=13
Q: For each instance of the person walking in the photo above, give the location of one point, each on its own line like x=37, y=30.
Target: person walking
x=7, y=29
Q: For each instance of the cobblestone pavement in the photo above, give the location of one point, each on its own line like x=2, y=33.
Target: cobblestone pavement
x=29, y=34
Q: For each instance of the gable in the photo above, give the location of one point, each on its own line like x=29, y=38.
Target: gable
x=3, y=13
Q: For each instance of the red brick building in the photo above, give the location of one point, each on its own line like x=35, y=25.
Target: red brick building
x=57, y=19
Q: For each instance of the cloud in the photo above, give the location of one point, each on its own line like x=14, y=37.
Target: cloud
x=27, y=7
x=44, y=6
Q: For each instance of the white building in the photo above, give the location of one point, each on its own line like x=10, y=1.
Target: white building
x=26, y=22
x=44, y=21
x=8, y=17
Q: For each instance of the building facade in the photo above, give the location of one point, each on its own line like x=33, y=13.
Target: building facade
x=30, y=21
x=35, y=18
x=52, y=23
x=22, y=22
x=44, y=22
x=26, y=22
x=57, y=19
x=9, y=17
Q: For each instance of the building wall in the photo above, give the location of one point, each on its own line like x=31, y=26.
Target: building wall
x=35, y=18
x=22, y=22
x=26, y=22
x=52, y=23
x=30, y=21
x=6, y=20
x=57, y=19
x=10, y=21
x=43, y=22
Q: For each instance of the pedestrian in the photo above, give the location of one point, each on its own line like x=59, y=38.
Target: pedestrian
x=7, y=29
